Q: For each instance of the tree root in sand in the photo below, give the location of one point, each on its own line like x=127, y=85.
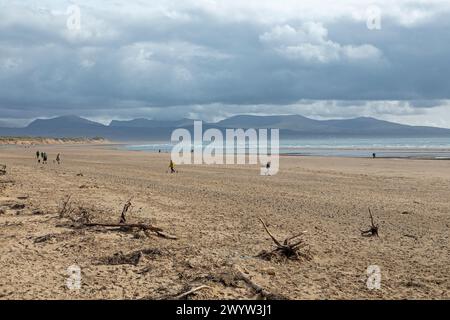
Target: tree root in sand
x=132, y=258
x=290, y=248
x=373, y=230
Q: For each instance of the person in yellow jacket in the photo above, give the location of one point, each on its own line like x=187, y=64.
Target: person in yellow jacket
x=172, y=167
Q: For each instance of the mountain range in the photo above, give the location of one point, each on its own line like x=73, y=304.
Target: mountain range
x=291, y=126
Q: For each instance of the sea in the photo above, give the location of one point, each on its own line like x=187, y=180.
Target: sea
x=426, y=148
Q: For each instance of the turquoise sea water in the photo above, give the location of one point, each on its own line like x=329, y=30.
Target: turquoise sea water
x=345, y=147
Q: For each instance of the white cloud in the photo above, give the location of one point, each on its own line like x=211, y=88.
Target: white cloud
x=310, y=43
x=365, y=51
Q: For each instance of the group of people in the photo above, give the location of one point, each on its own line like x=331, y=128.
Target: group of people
x=42, y=156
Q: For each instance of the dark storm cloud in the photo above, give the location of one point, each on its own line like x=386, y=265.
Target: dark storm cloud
x=159, y=59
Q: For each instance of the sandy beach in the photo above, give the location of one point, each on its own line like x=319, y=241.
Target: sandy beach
x=214, y=211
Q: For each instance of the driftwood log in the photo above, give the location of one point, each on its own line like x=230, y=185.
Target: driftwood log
x=125, y=227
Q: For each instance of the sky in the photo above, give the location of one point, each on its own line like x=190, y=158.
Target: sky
x=211, y=59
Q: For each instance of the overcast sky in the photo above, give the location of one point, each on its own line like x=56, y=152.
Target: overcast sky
x=210, y=59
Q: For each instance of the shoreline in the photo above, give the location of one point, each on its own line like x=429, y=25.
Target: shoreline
x=341, y=153
x=382, y=153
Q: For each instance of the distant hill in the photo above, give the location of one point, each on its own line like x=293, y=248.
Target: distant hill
x=363, y=126
x=63, y=121
x=146, y=123
x=288, y=122
x=291, y=126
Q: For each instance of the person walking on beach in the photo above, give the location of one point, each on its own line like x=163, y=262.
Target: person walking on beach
x=44, y=158
x=172, y=166
x=58, y=158
x=38, y=154
x=268, y=168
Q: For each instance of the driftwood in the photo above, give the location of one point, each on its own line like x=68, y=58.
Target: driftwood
x=82, y=218
x=65, y=207
x=123, y=226
x=178, y=296
x=373, y=231
x=132, y=226
x=44, y=238
x=265, y=294
x=188, y=293
x=233, y=277
x=411, y=236
x=123, y=218
x=288, y=248
x=184, y=295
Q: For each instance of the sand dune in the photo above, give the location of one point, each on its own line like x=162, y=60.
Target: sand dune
x=214, y=210
x=31, y=141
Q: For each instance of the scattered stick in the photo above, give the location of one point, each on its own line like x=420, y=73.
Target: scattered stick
x=411, y=236
x=373, y=231
x=125, y=226
x=166, y=235
x=256, y=287
x=289, y=248
x=44, y=238
x=188, y=293
x=178, y=296
x=123, y=218
x=233, y=277
x=65, y=207
x=54, y=236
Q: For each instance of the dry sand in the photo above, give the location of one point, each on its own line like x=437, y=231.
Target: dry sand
x=214, y=212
